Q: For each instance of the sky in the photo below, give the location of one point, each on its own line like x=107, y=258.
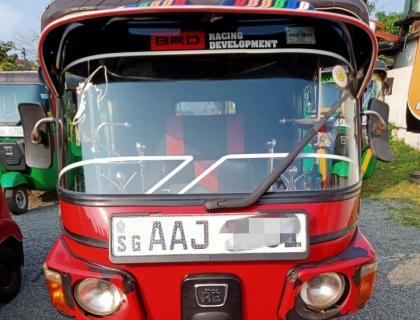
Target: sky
x=21, y=17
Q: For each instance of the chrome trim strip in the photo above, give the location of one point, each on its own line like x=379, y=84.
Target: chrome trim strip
x=186, y=161
x=204, y=52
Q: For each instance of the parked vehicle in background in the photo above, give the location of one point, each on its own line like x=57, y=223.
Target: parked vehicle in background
x=209, y=158
x=379, y=87
x=11, y=254
x=16, y=177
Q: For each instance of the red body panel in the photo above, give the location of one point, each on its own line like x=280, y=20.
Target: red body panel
x=348, y=263
x=60, y=259
x=324, y=218
x=8, y=228
x=268, y=290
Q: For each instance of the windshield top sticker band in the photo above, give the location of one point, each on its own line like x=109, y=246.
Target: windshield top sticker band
x=174, y=41
x=178, y=41
x=280, y=4
x=235, y=40
x=300, y=35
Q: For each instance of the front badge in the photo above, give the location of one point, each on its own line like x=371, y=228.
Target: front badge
x=211, y=295
x=172, y=41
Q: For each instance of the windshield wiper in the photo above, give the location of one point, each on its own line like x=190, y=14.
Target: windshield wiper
x=272, y=178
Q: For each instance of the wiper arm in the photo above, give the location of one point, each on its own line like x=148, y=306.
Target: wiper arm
x=272, y=178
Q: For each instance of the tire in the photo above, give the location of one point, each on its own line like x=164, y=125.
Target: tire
x=17, y=200
x=10, y=275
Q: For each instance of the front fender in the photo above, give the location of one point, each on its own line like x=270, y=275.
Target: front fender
x=9, y=228
x=12, y=179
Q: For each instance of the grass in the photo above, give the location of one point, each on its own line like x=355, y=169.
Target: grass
x=390, y=183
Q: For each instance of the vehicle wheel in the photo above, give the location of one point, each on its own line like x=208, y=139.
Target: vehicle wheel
x=17, y=200
x=10, y=275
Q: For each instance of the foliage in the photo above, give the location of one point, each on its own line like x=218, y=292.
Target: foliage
x=9, y=60
x=389, y=19
x=5, y=57
x=371, y=6
x=390, y=182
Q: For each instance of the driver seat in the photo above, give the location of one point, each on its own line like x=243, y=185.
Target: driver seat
x=208, y=138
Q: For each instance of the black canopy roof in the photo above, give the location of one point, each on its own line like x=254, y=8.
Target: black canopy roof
x=55, y=45
x=60, y=8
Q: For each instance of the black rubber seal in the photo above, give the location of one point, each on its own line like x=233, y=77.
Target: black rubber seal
x=103, y=244
x=332, y=236
x=87, y=241
x=90, y=200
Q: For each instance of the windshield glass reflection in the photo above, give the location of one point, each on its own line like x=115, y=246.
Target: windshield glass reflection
x=208, y=124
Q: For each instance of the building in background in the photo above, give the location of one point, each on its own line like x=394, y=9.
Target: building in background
x=404, y=53
x=411, y=6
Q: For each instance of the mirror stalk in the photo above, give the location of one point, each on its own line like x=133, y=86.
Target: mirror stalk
x=382, y=126
x=36, y=134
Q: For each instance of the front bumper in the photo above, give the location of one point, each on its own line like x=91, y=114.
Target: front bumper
x=74, y=269
x=139, y=305
x=349, y=263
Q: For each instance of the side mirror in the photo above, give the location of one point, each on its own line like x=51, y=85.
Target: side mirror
x=37, y=135
x=378, y=112
x=389, y=83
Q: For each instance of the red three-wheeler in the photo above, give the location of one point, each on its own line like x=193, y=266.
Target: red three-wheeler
x=198, y=144
x=11, y=254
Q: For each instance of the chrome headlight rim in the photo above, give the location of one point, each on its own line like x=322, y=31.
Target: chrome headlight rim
x=98, y=284
x=334, y=301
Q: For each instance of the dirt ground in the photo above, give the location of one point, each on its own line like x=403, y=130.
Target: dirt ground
x=40, y=199
x=397, y=290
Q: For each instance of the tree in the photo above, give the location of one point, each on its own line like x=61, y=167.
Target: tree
x=9, y=59
x=389, y=19
x=371, y=6
x=27, y=42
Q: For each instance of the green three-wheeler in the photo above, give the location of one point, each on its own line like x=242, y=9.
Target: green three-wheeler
x=16, y=178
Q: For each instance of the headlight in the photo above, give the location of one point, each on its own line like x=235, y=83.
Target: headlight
x=98, y=297
x=323, y=291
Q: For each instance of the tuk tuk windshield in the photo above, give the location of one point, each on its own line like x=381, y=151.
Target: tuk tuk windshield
x=11, y=95
x=208, y=123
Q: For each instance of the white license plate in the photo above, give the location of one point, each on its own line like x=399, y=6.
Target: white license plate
x=224, y=237
x=16, y=132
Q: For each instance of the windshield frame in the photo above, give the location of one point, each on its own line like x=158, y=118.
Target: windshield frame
x=197, y=198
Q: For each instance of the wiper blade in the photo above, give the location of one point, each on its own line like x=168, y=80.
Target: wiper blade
x=272, y=178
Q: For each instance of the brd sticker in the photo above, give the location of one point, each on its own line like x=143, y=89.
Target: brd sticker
x=340, y=76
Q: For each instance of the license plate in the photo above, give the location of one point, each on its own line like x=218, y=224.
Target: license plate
x=224, y=237
x=11, y=132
